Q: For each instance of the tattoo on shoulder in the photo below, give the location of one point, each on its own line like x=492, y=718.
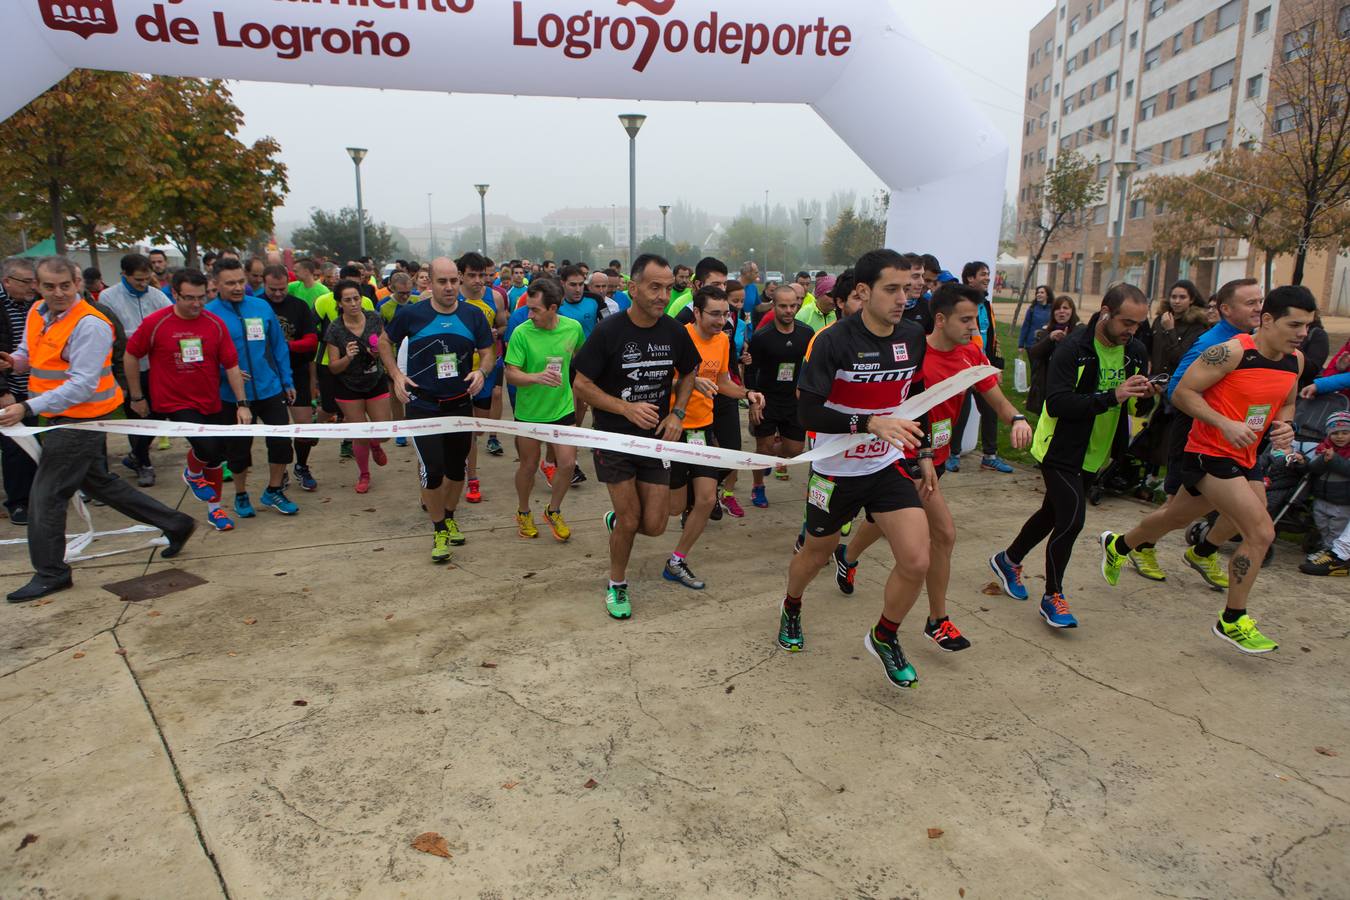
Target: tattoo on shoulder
x=1216, y=355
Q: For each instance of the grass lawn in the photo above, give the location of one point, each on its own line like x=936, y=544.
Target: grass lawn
x=1007, y=340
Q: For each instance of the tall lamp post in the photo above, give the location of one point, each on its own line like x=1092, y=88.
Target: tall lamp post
x=482, y=190
x=431, y=230
x=358, y=154
x=665, y=211
x=1123, y=169
x=632, y=123
x=807, y=248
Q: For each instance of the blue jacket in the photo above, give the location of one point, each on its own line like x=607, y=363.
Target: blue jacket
x=268, y=361
x=1219, y=334
x=1038, y=317
x=1330, y=384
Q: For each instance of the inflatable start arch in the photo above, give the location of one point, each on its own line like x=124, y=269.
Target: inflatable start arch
x=853, y=63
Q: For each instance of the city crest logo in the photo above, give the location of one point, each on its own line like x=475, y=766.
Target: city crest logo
x=84, y=17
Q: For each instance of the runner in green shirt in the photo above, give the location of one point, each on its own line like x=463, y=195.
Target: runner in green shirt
x=539, y=365
x=308, y=287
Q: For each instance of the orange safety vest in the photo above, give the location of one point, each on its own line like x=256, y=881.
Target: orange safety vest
x=48, y=370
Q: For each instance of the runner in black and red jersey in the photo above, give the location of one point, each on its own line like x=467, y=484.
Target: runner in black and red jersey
x=1237, y=392
x=854, y=378
x=955, y=314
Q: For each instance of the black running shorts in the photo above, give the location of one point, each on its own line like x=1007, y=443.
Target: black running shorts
x=834, y=500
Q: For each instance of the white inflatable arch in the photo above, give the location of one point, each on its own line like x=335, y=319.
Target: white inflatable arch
x=852, y=62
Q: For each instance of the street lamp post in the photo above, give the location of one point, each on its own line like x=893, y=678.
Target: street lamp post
x=358, y=154
x=482, y=190
x=665, y=211
x=807, y=248
x=632, y=123
x=766, y=233
x=431, y=229
x=1123, y=168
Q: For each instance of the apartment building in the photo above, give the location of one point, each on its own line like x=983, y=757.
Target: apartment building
x=1155, y=85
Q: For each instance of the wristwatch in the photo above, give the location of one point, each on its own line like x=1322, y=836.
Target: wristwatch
x=678, y=413
x=1017, y=419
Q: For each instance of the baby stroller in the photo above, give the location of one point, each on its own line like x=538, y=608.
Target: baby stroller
x=1127, y=474
x=1287, y=482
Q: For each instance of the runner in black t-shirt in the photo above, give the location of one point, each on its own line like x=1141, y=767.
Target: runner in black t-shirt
x=624, y=371
x=301, y=330
x=776, y=353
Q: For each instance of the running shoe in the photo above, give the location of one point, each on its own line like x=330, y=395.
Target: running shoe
x=557, y=525
x=475, y=492
x=946, y=635
x=1055, y=611
x=953, y=464
x=732, y=505
x=549, y=470
x=1009, y=576
x=843, y=572
x=715, y=515
x=163, y=443
x=440, y=547
x=219, y=520
x=758, y=498
x=790, y=630
x=781, y=473
x=1326, y=564
x=145, y=476
x=400, y=442
x=578, y=476
x=1145, y=562
x=277, y=499
x=345, y=450
x=995, y=464
x=898, y=670
x=243, y=507
x=363, y=483
x=525, y=525
x=202, y=489
x=1112, y=562
x=456, y=536
x=678, y=570
x=609, y=521
x=1243, y=635
x=306, y=478
x=1210, y=568
x=617, y=603
x=494, y=446
x=129, y=462
x=377, y=453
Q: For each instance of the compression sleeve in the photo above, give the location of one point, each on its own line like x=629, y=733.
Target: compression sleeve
x=816, y=416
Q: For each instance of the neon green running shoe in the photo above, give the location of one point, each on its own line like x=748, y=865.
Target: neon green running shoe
x=1111, y=560
x=440, y=547
x=790, y=630
x=456, y=536
x=1209, y=567
x=617, y=603
x=898, y=670
x=1145, y=562
x=1243, y=635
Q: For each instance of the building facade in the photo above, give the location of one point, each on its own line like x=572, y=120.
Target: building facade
x=1157, y=85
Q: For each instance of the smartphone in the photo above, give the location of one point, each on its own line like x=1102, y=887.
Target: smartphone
x=1160, y=380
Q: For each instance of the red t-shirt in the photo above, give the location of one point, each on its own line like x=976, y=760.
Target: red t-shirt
x=186, y=359
x=938, y=366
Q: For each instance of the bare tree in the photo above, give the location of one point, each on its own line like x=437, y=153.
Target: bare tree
x=1069, y=189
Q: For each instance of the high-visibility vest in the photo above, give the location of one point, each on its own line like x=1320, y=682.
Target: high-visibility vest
x=48, y=370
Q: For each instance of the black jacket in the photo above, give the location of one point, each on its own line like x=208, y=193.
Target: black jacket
x=1072, y=401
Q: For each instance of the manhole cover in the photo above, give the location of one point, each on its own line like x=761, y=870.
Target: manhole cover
x=160, y=584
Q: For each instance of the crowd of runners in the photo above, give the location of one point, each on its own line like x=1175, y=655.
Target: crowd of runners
x=679, y=354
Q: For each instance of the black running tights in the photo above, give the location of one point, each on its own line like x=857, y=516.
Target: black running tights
x=1060, y=519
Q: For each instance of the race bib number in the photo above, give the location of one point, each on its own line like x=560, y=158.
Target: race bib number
x=787, y=371
x=696, y=438
x=447, y=365
x=942, y=434
x=190, y=349
x=819, y=491
x=253, y=330
x=555, y=365
x=1257, y=417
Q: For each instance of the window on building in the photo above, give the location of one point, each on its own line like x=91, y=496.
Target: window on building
x=1171, y=98
x=1129, y=89
x=1099, y=214
x=1059, y=51
x=1143, y=159
x=1152, y=58
x=1138, y=209
x=1125, y=137
x=1040, y=155
x=1108, y=126
x=1045, y=84
x=1103, y=170
x=1054, y=127
x=1284, y=118
x=1065, y=142
x=1198, y=31
x=1073, y=25
x=1185, y=146
x=1164, y=152
x=1299, y=43
x=1112, y=79
x=1254, y=85
x=1134, y=39
x=1067, y=107
x=1178, y=42
x=1216, y=136
x=1092, y=91
x=1096, y=45
x=1192, y=88
x=1062, y=11
x=1114, y=36
x=1049, y=42
x=1229, y=14
x=1071, y=66
x=1027, y=131
x=1056, y=90
x=1261, y=21
x=1044, y=117
x=1082, y=97
x=1343, y=21
x=1221, y=76
x=1156, y=8
x=1148, y=108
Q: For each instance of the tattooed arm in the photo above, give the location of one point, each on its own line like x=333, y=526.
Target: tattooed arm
x=1211, y=368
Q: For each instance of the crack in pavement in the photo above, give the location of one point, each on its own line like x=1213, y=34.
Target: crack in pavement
x=801, y=868
x=1193, y=719
x=620, y=840
x=798, y=770
x=267, y=783
x=1055, y=800
x=28, y=665
x=667, y=775
x=1068, y=740
x=509, y=696
x=300, y=721
x=1273, y=870
x=637, y=695
x=728, y=679
x=894, y=711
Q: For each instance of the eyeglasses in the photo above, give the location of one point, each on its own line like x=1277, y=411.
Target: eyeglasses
x=714, y=315
x=24, y=281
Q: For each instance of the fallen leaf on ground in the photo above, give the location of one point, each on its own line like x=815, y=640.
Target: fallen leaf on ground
x=961, y=891
x=369, y=509
x=231, y=653
x=378, y=550
x=27, y=839
x=1306, y=649
x=420, y=712
x=250, y=621
x=529, y=575
x=935, y=833
x=433, y=843
x=984, y=609
x=42, y=602
x=591, y=784
x=79, y=655
x=278, y=574
x=730, y=688
x=991, y=589
x=1326, y=751
x=388, y=617
x=488, y=665
x=511, y=785
x=154, y=612
x=299, y=703
x=304, y=590
x=121, y=651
